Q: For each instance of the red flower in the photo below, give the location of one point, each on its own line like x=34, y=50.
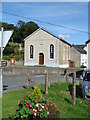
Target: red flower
x=47, y=106
x=24, y=96
x=26, y=104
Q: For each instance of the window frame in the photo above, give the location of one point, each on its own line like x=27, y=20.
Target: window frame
x=51, y=51
x=31, y=51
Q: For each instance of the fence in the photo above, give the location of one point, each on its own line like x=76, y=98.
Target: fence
x=45, y=71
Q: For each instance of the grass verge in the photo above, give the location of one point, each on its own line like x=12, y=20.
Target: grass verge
x=59, y=94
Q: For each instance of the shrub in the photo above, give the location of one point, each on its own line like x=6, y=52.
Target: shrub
x=23, y=50
x=52, y=108
x=16, y=50
x=16, y=57
x=8, y=50
x=12, y=44
x=6, y=58
x=19, y=57
x=37, y=92
x=82, y=66
x=53, y=111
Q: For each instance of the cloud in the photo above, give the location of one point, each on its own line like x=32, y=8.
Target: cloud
x=64, y=36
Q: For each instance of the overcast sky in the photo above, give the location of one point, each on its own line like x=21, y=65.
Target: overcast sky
x=68, y=14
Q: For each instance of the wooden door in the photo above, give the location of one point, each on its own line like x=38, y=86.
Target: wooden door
x=41, y=58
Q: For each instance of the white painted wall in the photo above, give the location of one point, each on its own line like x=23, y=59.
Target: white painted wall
x=41, y=41
x=88, y=55
x=85, y=48
x=84, y=59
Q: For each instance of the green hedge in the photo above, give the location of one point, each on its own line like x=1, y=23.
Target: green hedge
x=17, y=57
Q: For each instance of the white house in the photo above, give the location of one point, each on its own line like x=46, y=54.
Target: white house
x=83, y=54
x=88, y=53
x=44, y=48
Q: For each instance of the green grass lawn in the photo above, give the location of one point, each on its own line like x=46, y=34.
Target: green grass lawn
x=59, y=94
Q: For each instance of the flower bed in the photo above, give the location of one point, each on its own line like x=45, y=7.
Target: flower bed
x=31, y=106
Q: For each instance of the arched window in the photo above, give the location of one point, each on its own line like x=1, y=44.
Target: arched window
x=51, y=51
x=31, y=51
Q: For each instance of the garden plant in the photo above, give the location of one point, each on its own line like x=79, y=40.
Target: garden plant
x=35, y=106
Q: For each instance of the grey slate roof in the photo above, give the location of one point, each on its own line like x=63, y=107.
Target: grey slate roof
x=87, y=41
x=49, y=33
x=80, y=48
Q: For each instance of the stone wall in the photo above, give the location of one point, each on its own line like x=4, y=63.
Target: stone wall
x=75, y=56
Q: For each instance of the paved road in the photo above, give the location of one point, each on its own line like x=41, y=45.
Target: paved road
x=11, y=83
x=19, y=76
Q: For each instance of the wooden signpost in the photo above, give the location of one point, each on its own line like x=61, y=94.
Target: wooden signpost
x=3, y=63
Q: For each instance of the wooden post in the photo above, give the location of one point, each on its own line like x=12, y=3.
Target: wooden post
x=66, y=77
x=74, y=89
x=59, y=76
x=63, y=79
x=28, y=80
x=46, y=83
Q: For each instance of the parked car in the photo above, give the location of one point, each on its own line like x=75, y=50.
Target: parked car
x=85, y=84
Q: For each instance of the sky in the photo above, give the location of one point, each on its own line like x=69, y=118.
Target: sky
x=68, y=14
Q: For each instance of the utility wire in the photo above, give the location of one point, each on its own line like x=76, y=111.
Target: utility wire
x=44, y=22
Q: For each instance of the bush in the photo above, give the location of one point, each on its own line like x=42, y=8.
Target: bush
x=37, y=92
x=53, y=111
x=52, y=108
x=6, y=58
x=13, y=48
x=12, y=44
x=19, y=57
x=16, y=50
x=8, y=50
x=16, y=57
x=82, y=66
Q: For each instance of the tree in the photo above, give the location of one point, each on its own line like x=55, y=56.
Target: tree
x=21, y=30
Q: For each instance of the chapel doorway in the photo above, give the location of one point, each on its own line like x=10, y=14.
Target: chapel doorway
x=41, y=58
